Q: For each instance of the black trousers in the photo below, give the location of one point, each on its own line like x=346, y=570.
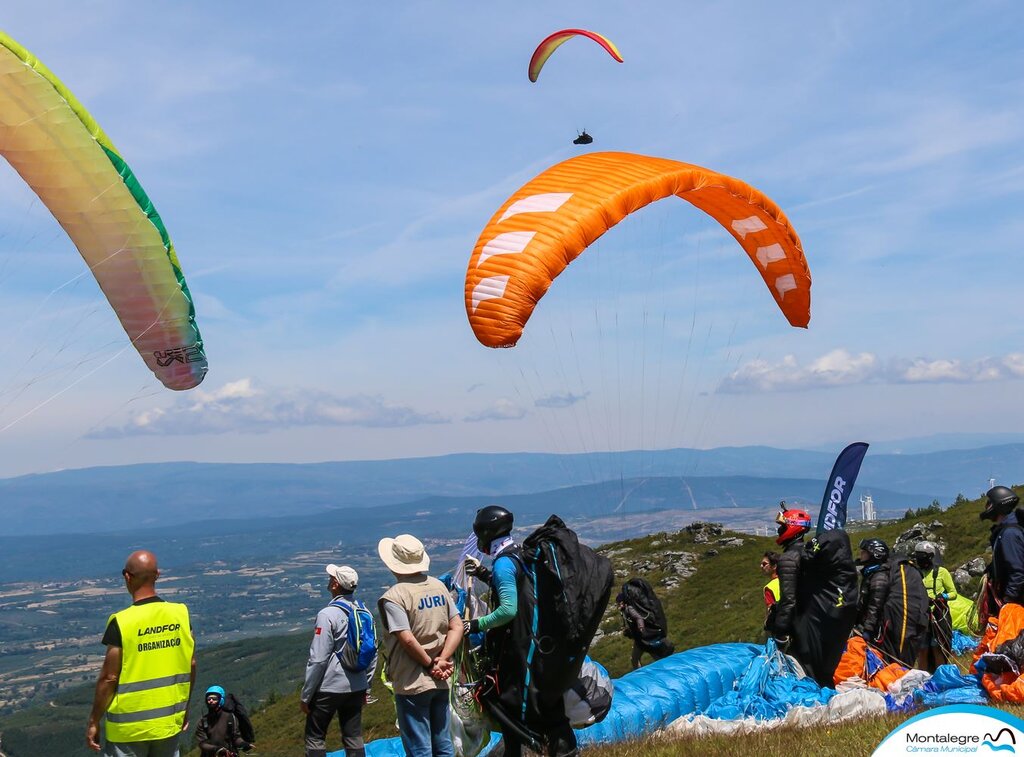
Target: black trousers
x=349, y=708
x=561, y=742
x=552, y=724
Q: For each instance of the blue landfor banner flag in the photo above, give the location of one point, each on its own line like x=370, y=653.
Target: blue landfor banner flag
x=840, y=483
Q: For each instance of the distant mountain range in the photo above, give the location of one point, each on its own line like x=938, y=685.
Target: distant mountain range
x=599, y=512
x=156, y=495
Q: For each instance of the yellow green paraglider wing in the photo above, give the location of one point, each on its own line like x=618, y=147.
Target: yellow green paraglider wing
x=74, y=168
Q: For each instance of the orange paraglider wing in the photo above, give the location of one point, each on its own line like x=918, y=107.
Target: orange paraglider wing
x=552, y=43
x=553, y=218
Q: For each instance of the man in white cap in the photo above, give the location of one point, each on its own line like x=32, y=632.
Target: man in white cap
x=423, y=630
x=332, y=686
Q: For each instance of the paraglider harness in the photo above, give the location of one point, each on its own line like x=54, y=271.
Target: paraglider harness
x=639, y=595
x=905, y=616
x=564, y=588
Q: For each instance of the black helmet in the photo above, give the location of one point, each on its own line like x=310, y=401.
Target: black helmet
x=490, y=523
x=877, y=548
x=1000, y=501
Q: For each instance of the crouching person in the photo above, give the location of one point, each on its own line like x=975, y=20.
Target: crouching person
x=422, y=631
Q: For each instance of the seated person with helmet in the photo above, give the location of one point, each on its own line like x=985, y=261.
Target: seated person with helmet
x=218, y=733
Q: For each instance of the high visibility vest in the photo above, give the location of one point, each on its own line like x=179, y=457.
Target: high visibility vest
x=156, y=665
x=773, y=588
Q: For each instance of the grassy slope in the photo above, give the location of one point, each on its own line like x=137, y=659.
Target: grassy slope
x=720, y=602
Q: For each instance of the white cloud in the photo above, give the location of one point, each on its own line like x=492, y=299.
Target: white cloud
x=502, y=410
x=837, y=368
x=841, y=368
x=564, y=399
x=240, y=407
x=920, y=370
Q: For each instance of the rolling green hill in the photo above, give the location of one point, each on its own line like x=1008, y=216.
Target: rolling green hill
x=711, y=593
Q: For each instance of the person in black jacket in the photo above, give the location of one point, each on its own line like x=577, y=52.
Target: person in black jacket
x=1006, y=571
x=817, y=581
x=793, y=524
x=218, y=734
x=874, y=589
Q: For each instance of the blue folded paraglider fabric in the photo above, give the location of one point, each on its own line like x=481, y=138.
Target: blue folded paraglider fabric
x=646, y=699
x=657, y=694
x=393, y=747
x=961, y=642
x=950, y=686
x=767, y=689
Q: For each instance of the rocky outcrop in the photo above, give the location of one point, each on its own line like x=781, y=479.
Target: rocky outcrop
x=905, y=543
x=703, y=532
x=975, y=567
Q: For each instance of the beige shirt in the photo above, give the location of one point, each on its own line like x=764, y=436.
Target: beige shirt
x=426, y=602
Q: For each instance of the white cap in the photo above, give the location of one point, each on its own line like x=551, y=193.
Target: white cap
x=344, y=575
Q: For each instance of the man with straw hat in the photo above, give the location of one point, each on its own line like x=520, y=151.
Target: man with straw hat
x=423, y=630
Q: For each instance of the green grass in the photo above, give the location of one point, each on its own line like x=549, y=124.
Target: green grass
x=854, y=739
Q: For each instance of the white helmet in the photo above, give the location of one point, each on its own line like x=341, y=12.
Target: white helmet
x=926, y=547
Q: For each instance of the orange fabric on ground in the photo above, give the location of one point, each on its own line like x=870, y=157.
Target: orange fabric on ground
x=1003, y=687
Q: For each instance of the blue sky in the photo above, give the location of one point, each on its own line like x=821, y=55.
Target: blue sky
x=325, y=169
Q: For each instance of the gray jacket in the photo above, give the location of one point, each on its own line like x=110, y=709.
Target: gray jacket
x=323, y=671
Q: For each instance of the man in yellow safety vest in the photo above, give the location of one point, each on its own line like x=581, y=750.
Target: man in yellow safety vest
x=147, y=676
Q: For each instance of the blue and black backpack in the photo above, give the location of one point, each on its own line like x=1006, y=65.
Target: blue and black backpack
x=361, y=639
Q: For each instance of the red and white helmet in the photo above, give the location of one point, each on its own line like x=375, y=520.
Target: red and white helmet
x=792, y=523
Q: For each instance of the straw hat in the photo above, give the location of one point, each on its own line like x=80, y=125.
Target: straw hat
x=404, y=555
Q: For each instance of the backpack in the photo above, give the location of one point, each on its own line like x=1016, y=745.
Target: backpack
x=828, y=577
x=905, y=614
x=232, y=706
x=572, y=586
x=639, y=594
x=360, y=647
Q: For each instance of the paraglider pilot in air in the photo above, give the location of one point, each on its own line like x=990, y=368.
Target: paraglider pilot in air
x=583, y=138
